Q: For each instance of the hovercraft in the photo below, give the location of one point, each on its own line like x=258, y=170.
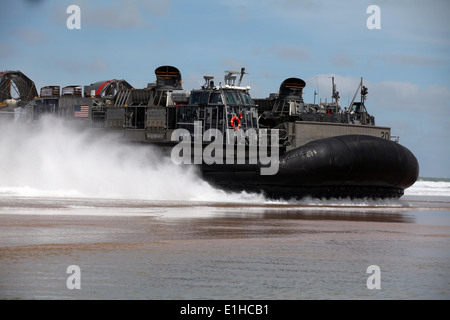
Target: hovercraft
x=280, y=146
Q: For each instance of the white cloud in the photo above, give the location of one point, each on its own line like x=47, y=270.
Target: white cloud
x=115, y=15
x=289, y=5
x=390, y=95
x=6, y=51
x=342, y=60
x=411, y=60
x=30, y=36
x=157, y=7
x=233, y=64
x=290, y=52
x=406, y=96
x=98, y=65
x=75, y=66
x=118, y=15
x=241, y=12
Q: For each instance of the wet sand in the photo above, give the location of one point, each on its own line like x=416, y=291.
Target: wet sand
x=159, y=250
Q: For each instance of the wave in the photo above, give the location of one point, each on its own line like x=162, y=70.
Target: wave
x=430, y=187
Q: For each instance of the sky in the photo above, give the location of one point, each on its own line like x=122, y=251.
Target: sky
x=405, y=64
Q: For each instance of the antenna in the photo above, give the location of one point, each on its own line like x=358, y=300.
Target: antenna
x=354, y=97
x=317, y=87
x=242, y=75
x=364, y=92
x=208, y=81
x=333, y=89
x=230, y=77
x=334, y=92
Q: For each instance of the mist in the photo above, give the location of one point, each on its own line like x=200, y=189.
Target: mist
x=60, y=159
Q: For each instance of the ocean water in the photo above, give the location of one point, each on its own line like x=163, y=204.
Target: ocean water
x=430, y=187
x=139, y=227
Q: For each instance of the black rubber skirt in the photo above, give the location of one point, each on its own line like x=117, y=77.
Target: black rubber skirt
x=355, y=166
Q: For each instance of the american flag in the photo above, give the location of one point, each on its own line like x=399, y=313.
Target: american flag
x=81, y=112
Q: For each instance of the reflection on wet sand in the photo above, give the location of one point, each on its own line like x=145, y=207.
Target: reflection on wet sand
x=344, y=216
x=154, y=224
x=199, y=250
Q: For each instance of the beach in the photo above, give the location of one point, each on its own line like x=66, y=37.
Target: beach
x=195, y=250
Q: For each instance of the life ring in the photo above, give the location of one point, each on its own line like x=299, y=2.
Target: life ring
x=238, y=121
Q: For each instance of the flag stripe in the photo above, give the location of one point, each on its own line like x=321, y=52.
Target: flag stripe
x=81, y=112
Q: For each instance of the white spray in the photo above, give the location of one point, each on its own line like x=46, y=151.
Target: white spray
x=57, y=158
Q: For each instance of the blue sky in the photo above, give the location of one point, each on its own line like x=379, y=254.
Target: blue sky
x=405, y=64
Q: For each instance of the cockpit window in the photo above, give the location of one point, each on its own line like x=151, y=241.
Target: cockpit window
x=237, y=97
x=229, y=97
x=247, y=99
x=199, y=97
x=195, y=96
x=204, y=97
x=215, y=98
